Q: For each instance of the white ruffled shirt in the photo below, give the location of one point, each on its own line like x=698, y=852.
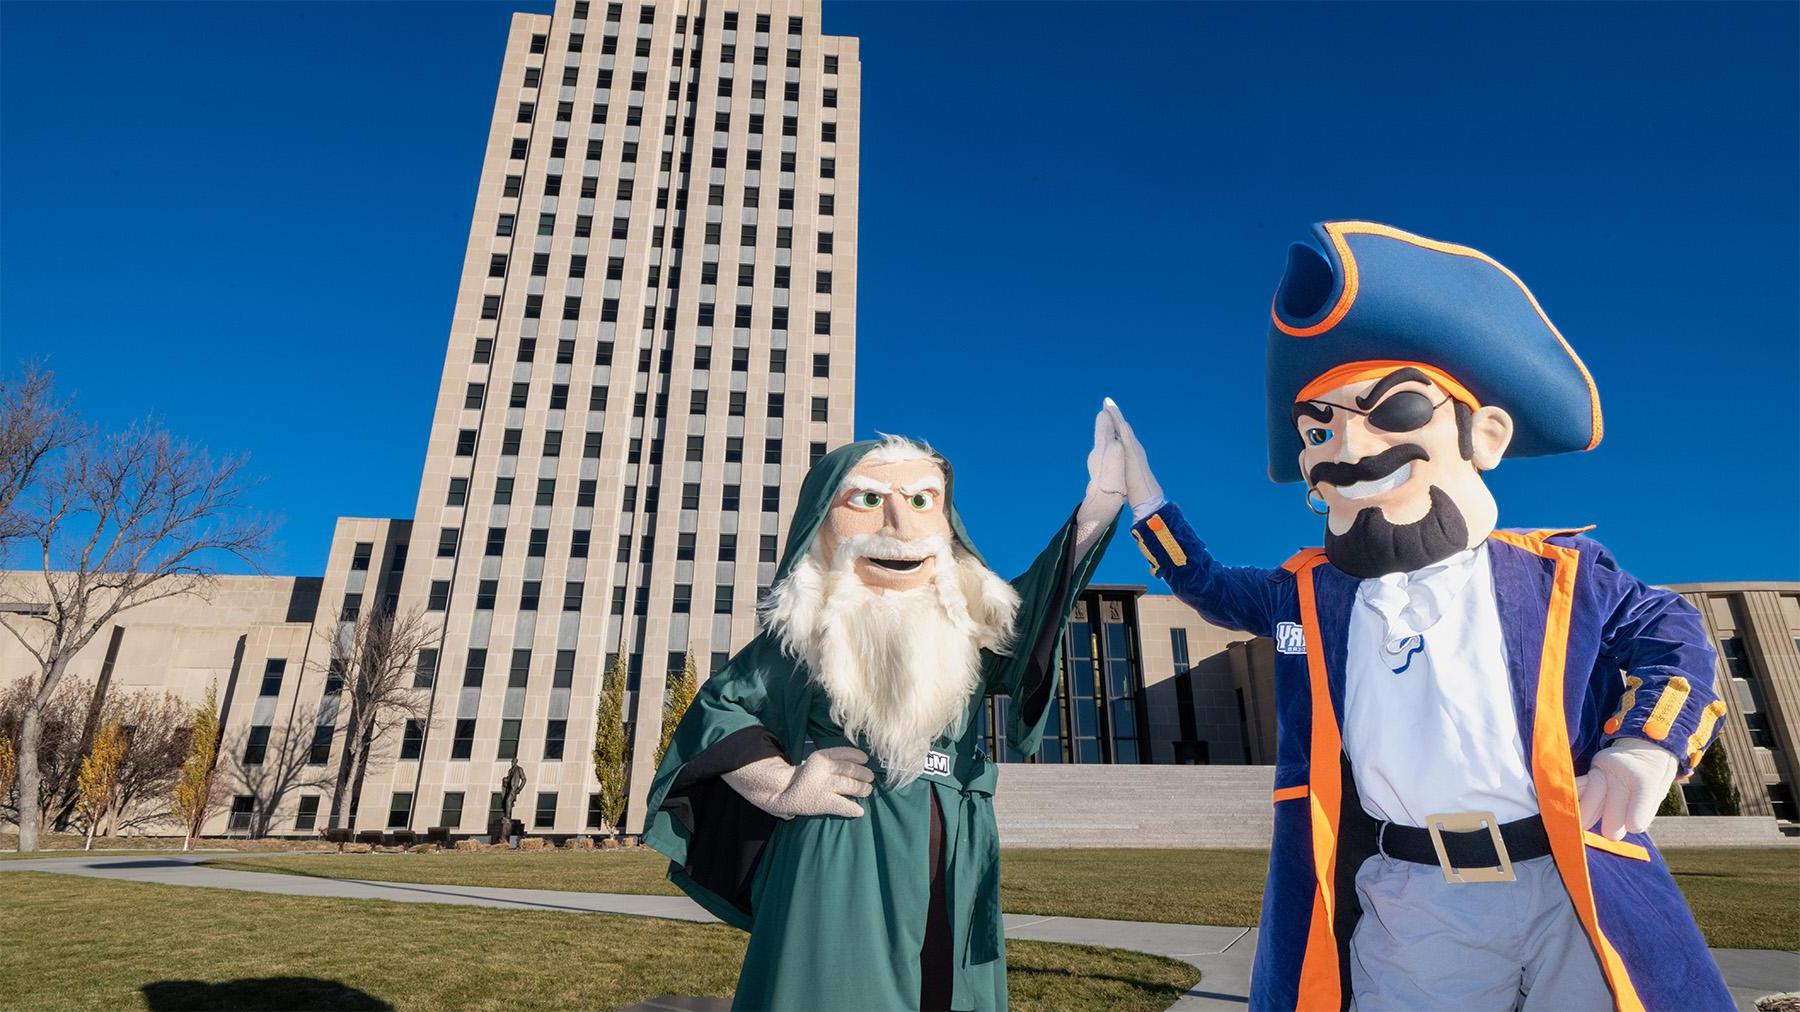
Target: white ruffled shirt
x=1428, y=714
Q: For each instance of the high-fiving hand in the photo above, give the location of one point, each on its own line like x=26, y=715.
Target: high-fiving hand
x=1141, y=489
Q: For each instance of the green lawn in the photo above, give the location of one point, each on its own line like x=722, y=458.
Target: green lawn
x=76, y=943
x=1743, y=898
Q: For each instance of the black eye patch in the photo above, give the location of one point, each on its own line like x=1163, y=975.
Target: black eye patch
x=1404, y=412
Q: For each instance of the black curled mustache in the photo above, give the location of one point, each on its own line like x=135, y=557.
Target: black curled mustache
x=1332, y=472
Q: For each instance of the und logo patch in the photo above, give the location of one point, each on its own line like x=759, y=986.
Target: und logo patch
x=937, y=763
x=1290, y=638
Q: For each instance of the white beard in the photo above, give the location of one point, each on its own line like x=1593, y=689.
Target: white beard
x=898, y=667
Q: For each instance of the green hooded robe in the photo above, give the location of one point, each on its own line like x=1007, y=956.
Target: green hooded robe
x=837, y=908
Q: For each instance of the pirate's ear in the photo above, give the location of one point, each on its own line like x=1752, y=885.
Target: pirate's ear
x=1490, y=433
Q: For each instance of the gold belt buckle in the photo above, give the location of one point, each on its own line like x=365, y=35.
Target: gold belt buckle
x=1469, y=822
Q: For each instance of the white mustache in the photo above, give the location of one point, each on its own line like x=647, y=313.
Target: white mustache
x=884, y=546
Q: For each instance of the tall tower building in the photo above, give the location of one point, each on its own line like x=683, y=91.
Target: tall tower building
x=653, y=338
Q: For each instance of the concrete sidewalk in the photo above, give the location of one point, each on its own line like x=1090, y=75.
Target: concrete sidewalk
x=1222, y=955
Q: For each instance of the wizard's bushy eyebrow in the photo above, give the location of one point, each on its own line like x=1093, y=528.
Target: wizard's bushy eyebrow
x=1388, y=382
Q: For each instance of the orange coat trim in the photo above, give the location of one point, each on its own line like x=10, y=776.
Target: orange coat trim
x=1320, y=984
x=1553, y=768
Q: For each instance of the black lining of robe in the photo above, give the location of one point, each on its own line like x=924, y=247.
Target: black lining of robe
x=1034, y=682
x=937, y=957
x=726, y=834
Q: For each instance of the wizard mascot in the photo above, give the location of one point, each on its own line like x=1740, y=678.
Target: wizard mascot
x=1475, y=726
x=829, y=790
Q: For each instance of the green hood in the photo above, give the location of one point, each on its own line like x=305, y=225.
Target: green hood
x=822, y=483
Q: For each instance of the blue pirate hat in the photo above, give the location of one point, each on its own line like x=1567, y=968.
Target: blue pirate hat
x=1365, y=299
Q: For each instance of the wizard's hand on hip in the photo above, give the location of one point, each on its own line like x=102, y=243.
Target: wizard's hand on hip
x=1624, y=786
x=1141, y=489
x=828, y=782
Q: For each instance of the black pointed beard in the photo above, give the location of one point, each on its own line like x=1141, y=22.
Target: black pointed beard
x=1374, y=546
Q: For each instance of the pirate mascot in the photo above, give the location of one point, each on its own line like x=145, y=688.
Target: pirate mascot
x=1475, y=726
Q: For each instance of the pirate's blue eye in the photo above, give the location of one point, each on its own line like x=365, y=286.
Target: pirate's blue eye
x=1318, y=437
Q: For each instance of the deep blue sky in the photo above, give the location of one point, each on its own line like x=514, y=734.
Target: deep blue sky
x=219, y=212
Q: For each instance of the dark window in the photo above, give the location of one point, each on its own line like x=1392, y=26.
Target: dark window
x=308, y=815
x=821, y=322
x=509, y=740
x=452, y=813
x=400, y=810
x=273, y=669
x=539, y=544
x=578, y=544
x=496, y=541
x=572, y=595
x=830, y=98
x=529, y=593
x=475, y=668
x=319, y=753
x=728, y=548
x=352, y=608
x=463, y=744
x=831, y=64
x=360, y=555
x=425, y=674
x=821, y=365
x=412, y=740
x=554, y=733
x=520, y=671
x=439, y=597
x=256, y=746
x=820, y=411
x=546, y=491
x=545, y=815
x=766, y=549
x=242, y=808
x=827, y=170
x=564, y=676
x=485, y=593
x=504, y=225
x=815, y=453
x=722, y=600
x=447, y=538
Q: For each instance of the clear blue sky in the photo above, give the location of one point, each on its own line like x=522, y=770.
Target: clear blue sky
x=217, y=212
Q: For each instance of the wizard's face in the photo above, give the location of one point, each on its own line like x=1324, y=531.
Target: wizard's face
x=1397, y=459
x=889, y=517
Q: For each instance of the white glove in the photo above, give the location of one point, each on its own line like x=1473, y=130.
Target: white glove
x=1106, y=484
x=823, y=784
x=1141, y=489
x=1624, y=786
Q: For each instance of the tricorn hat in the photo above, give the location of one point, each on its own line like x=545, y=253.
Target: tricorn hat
x=1363, y=299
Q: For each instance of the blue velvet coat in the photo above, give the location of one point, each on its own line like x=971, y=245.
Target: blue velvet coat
x=1592, y=654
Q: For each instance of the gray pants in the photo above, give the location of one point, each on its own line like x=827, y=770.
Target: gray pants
x=1423, y=943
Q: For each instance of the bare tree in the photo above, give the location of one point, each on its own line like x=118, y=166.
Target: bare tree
x=269, y=774
x=59, y=746
x=373, y=664
x=119, y=521
x=158, y=728
x=33, y=427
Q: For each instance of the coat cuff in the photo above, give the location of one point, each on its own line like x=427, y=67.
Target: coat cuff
x=1161, y=536
x=1672, y=713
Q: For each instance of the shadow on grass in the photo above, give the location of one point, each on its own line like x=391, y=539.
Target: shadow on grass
x=258, y=993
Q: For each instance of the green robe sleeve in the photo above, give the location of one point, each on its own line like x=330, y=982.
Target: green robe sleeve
x=714, y=838
x=1047, y=593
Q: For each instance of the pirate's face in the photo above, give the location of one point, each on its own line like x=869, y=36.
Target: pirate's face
x=1397, y=461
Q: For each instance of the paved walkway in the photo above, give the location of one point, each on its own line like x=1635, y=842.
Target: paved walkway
x=1223, y=955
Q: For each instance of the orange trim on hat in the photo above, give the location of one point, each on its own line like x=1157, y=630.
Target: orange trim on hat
x=1359, y=372
x=1339, y=229
x=1346, y=296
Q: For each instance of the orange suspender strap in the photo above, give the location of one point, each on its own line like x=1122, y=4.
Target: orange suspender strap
x=1320, y=984
x=1553, y=767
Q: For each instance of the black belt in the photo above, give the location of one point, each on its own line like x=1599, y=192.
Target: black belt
x=1524, y=840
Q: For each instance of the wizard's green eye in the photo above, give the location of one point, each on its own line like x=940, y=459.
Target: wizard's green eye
x=1318, y=437
x=922, y=501
x=866, y=500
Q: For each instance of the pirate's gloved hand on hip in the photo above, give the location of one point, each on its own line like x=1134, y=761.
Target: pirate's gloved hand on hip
x=825, y=783
x=1624, y=786
x=1141, y=489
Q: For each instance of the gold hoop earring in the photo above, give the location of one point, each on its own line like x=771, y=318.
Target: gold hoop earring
x=1317, y=510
